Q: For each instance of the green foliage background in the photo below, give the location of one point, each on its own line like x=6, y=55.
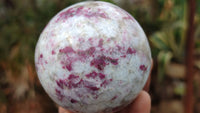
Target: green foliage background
x=21, y=23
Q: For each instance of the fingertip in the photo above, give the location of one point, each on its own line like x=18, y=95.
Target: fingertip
x=142, y=103
x=147, y=85
x=62, y=110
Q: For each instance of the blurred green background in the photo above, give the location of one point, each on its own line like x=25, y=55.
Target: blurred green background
x=164, y=22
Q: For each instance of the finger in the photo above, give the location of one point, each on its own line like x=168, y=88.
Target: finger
x=146, y=87
x=62, y=110
x=142, y=104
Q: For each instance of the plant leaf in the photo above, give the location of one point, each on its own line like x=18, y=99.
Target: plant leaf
x=159, y=40
x=163, y=60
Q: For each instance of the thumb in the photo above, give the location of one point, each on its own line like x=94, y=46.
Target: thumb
x=142, y=104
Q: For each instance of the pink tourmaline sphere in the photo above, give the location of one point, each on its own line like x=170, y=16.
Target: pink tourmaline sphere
x=93, y=57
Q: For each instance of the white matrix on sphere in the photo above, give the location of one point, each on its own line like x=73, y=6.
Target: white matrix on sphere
x=93, y=57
